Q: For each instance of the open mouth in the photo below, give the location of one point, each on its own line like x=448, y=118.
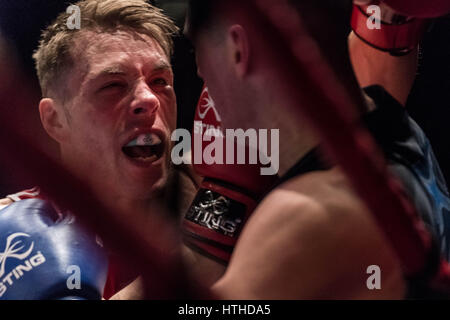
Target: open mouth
x=146, y=147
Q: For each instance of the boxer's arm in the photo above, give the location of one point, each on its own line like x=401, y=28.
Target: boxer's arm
x=295, y=247
x=372, y=66
x=134, y=291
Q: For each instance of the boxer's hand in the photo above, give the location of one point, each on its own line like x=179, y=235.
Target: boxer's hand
x=47, y=255
x=227, y=196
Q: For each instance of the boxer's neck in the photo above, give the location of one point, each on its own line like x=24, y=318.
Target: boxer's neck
x=135, y=203
x=295, y=138
x=295, y=142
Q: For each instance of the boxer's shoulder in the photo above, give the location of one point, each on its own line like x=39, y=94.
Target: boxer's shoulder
x=321, y=202
x=326, y=191
x=324, y=200
x=319, y=237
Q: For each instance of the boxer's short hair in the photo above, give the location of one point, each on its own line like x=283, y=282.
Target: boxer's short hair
x=54, y=54
x=200, y=14
x=328, y=21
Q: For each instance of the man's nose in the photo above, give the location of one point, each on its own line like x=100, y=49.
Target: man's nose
x=145, y=101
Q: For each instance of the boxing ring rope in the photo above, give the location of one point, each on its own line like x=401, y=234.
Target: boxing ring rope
x=333, y=118
x=303, y=69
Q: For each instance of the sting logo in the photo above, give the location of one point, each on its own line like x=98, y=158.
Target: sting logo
x=14, y=249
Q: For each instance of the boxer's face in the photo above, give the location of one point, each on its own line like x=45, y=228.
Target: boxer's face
x=121, y=113
x=211, y=60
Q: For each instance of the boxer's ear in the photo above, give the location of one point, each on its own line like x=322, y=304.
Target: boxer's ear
x=239, y=49
x=53, y=120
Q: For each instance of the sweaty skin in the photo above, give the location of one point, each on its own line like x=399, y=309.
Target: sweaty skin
x=311, y=238
x=120, y=87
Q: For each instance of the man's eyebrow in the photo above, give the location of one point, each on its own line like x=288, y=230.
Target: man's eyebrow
x=162, y=67
x=108, y=71
x=118, y=70
x=114, y=70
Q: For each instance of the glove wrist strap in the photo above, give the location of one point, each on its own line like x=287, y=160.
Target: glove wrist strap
x=398, y=35
x=215, y=219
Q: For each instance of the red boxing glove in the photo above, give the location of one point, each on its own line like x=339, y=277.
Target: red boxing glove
x=228, y=194
x=420, y=8
x=385, y=29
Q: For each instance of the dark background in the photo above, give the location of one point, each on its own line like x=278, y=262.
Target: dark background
x=21, y=22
